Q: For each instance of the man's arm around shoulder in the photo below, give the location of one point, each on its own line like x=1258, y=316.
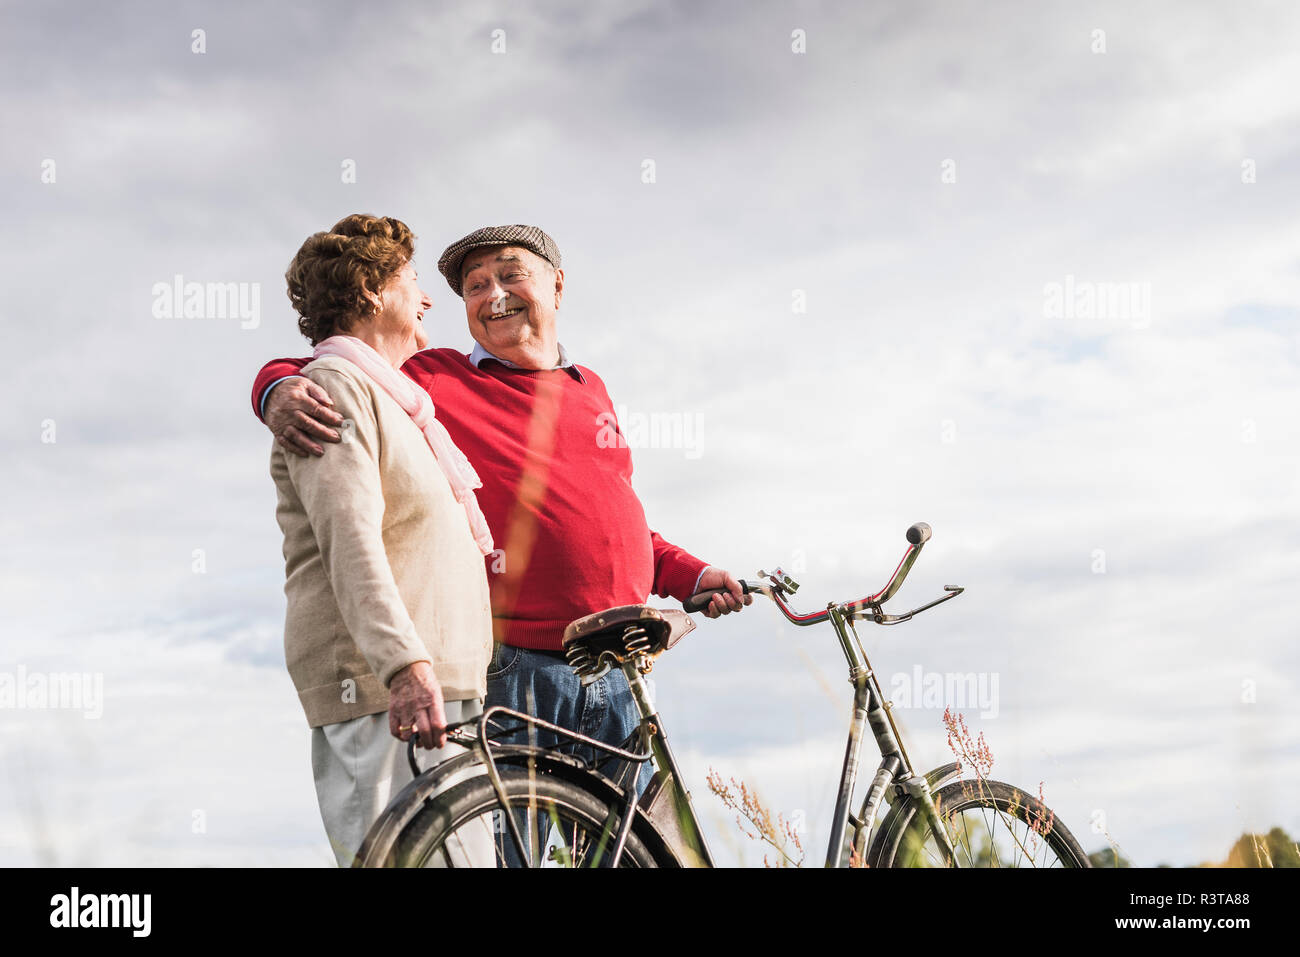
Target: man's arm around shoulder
x=296, y=410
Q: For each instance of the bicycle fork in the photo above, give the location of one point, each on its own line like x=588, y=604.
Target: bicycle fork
x=870, y=709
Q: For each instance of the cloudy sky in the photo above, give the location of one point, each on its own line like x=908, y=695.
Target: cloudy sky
x=1027, y=272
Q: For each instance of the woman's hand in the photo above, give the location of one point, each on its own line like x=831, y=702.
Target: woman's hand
x=415, y=700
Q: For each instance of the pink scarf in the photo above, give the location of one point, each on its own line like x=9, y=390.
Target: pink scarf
x=416, y=403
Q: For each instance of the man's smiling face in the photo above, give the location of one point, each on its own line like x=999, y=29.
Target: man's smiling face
x=511, y=297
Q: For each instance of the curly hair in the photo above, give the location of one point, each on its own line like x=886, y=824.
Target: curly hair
x=332, y=272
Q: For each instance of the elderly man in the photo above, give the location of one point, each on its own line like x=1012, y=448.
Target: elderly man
x=572, y=535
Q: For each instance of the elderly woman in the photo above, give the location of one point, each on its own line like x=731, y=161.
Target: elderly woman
x=388, y=629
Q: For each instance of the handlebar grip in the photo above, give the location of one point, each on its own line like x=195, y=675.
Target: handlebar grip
x=919, y=533
x=700, y=600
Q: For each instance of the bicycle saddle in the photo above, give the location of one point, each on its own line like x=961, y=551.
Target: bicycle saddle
x=596, y=643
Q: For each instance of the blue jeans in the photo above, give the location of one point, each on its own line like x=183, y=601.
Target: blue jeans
x=544, y=686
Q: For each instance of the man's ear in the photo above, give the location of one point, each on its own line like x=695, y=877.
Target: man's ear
x=559, y=286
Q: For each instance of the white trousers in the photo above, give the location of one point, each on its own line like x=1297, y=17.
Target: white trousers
x=359, y=767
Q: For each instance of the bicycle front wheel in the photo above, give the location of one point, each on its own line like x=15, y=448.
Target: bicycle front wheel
x=991, y=825
x=562, y=826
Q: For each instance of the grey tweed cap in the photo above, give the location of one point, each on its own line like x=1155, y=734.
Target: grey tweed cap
x=529, y=237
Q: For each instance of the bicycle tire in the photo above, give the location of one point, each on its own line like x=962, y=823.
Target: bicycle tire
x=1031, y=829
x=582, y=818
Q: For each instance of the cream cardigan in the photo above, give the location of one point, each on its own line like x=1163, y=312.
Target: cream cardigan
x=381, y=569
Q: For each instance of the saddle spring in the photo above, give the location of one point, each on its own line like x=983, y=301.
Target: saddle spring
x=580, y=660
x=637, y=642
x=636, y=646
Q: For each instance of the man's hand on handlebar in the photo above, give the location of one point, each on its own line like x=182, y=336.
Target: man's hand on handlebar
x=298, y=411
x=724, y=602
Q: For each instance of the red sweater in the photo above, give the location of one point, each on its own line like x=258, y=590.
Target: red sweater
x=570, y=533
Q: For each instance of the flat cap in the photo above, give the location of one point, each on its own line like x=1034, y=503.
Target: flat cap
x=529, y=237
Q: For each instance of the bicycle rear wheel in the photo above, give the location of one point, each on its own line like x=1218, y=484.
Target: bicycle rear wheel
x=992, y=825
x=565, y=826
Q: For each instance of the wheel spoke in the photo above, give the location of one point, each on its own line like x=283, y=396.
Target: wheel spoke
x=993, y=838
x=993, y=806
x=970, y=844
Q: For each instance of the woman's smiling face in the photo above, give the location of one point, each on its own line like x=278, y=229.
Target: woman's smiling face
x=402, y=307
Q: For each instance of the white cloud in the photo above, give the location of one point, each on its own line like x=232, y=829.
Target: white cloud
x=1171, y=447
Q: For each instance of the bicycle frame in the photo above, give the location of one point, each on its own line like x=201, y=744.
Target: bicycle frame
x=871, y=710
x=870, y=706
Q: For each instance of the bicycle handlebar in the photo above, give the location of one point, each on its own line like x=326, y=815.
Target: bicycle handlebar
x=779, y=585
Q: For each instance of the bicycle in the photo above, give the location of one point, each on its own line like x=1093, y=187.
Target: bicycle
x=558, y=808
